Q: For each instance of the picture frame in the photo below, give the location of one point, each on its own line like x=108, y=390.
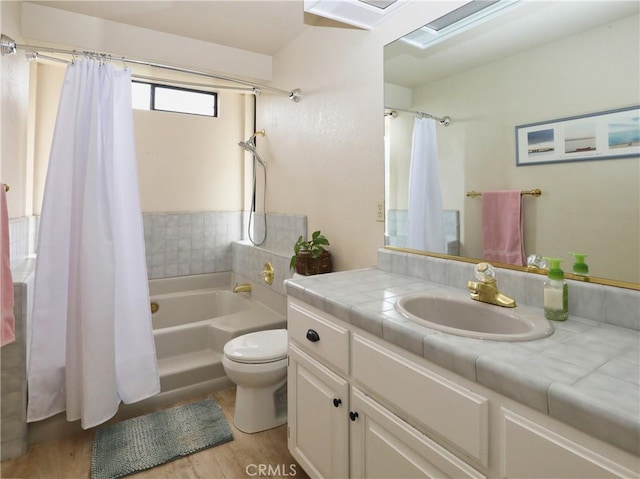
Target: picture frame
x=603, y=135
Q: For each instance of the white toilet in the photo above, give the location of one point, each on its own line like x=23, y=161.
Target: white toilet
x=257, y=364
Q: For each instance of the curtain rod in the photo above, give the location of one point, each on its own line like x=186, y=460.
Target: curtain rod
x=9, y=47
x=394, y=113
x=37, y=56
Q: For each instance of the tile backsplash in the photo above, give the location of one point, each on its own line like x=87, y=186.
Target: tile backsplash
x=608, y=304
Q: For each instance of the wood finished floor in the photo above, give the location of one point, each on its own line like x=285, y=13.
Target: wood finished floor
x=70, y=458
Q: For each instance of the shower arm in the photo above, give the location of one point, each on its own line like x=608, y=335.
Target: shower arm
x=257, y=133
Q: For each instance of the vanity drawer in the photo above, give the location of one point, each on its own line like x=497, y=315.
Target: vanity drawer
x=314, y=332
x=454, y=413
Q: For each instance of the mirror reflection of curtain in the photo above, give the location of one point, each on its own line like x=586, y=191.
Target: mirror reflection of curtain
x=426, y=224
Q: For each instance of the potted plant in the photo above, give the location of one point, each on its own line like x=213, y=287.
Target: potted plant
x=311, y=257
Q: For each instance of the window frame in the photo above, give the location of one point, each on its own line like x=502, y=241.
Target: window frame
x=152, y=98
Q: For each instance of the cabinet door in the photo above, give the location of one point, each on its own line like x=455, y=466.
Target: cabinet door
x=441, y=405
x=318, y=406
x=385, y=447
x=531, y=450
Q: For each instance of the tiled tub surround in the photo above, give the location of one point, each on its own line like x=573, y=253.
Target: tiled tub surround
x=181, y=244
x=13, y=357
x=282, y=233
x=22, y=234
x=586, y=374
x=398, y=225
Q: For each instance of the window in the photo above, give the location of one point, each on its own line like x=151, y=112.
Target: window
x=151, y=96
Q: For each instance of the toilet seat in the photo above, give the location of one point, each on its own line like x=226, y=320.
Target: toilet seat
x=259, y=347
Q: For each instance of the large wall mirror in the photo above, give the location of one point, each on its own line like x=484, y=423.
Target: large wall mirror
x=536, y=62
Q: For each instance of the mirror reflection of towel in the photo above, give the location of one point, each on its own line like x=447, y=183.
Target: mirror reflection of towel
x=502, y=227
x=7, y=334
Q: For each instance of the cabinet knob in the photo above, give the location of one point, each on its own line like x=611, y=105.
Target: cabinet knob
x=353, y=415
x=337, y=402
x=313, y=336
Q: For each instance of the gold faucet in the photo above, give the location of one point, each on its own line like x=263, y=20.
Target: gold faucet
x=242, y=288
x=486, y=289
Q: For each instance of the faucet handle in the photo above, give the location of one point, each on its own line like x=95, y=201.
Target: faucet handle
x=485, y=272
x=267, y=273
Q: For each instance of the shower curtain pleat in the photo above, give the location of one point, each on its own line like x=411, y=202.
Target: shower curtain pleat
x=91, y=343
x=425, y=215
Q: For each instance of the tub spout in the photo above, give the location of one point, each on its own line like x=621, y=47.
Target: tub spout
x=242, y=288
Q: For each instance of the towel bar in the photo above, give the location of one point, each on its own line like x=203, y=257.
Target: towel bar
x=534, y=192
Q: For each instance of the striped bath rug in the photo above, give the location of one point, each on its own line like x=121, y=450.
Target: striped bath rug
x=144, y=442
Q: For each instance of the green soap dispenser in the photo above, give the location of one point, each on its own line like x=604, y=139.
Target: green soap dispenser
x=580, y=267
x=556, y=293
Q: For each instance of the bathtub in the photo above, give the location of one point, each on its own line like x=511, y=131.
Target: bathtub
x=175, y=309
x=196, y=316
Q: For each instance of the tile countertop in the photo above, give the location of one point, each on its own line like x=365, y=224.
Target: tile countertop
x=586, y=374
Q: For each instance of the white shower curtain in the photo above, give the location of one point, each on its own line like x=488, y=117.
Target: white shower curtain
x=91, y=342
x=426, y=218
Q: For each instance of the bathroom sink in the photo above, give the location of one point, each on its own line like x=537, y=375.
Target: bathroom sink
x=456, y=313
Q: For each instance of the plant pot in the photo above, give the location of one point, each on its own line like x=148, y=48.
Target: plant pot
x=307, y=265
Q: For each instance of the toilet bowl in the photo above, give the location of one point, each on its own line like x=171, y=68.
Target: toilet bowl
x=257, y=364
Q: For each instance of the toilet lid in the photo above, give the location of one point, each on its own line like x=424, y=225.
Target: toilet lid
x=258, y=347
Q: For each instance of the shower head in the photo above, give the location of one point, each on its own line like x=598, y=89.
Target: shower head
x=248, y=145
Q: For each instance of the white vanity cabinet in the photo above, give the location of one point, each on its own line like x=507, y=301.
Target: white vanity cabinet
x=362, y=408
x=336, y=431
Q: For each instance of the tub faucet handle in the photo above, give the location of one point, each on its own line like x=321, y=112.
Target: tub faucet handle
x=267, y=273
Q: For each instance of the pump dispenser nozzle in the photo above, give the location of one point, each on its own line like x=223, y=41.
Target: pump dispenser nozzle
x=580, y=267
x=554, y=270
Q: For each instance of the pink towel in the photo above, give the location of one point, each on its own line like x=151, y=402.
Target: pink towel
x=502, y=233
x=7, y=332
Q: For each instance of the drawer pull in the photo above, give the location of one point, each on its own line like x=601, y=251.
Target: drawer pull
x=337, y=402
x=313, y=336
x=353, y=415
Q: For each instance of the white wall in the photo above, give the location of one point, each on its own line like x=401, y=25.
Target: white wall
x=327, y=153
x=14, y=102
x=185, y=162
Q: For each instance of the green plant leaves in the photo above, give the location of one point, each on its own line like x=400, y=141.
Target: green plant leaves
x=315, y=246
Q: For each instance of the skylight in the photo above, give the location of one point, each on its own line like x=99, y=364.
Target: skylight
x=359, y=13
x=459, y=20
x=382, y=4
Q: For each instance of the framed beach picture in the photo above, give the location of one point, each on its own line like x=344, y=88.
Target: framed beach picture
x=597, y=136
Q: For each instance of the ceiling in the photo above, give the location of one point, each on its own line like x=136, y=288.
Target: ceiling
x=265, y=26
x=261, y=26
x=527, y=26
